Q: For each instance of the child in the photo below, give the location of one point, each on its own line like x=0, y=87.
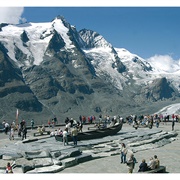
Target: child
x=9, y=168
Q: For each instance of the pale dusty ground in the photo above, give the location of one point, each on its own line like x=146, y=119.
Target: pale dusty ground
x=169, y=156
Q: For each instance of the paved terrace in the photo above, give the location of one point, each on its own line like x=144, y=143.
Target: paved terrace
x=92, y=156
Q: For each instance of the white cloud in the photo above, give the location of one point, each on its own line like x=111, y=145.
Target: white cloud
x=165, y=63
x=11, y=15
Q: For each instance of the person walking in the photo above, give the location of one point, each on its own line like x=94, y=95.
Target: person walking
x=157, y=122
x=6, y=125
x=131, y=163
x=32, y=124
x=11, y=135
x=123, y=153
x=24, y=131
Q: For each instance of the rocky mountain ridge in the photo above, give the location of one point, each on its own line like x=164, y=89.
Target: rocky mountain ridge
x=50, y=69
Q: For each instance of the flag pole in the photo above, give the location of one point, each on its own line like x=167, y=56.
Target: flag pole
x=17, y=114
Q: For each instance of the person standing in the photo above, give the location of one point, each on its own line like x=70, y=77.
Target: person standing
x=123, y=153
x=74, y=134
x=173, y=124
x=11, y=135
x=157, y=122
x=6, y=128
x=49, y=123
x=24, y=131
x=55, y=121
x=32, y=123
x=65, y=138
x=52, y=122
x=19, y=130
x=80, y=118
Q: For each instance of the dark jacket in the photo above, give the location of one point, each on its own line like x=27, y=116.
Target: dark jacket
x=143, y=167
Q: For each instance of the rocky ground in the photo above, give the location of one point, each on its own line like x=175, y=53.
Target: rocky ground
x=46, y=155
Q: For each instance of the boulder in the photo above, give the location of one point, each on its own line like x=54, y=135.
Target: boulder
x=71, y=152
x=69, y=162
x=56, y=162
x=55, y=154
x=83, y=158
x=37, y=154
x=25, y=164
x=42, y=162
x=11, y=156
x=47, y=169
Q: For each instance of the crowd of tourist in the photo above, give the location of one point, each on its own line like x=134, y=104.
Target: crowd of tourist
x=100, y=121
x=9, y=129
x=72, y=128
x=152, y=120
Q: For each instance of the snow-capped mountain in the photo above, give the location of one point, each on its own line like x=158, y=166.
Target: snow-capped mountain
x=50, y=68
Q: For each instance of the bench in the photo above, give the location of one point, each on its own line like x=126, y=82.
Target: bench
x=42, y=133
x=160, y=169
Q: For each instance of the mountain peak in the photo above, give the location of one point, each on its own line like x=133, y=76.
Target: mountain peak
x=59, y=17
x=93, y=39
x=59, y=66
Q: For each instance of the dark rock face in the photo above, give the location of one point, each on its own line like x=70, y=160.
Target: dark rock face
x=160, y=89
x=14, y=93
x=3, y=25
x=24, y=37
x=56, y=43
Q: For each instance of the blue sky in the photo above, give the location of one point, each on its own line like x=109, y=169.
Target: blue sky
x=145, y=31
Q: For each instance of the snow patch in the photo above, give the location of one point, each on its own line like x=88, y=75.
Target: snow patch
x=102, y=60
x=169, y=110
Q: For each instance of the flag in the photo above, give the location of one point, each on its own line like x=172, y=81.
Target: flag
x=13, y=165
